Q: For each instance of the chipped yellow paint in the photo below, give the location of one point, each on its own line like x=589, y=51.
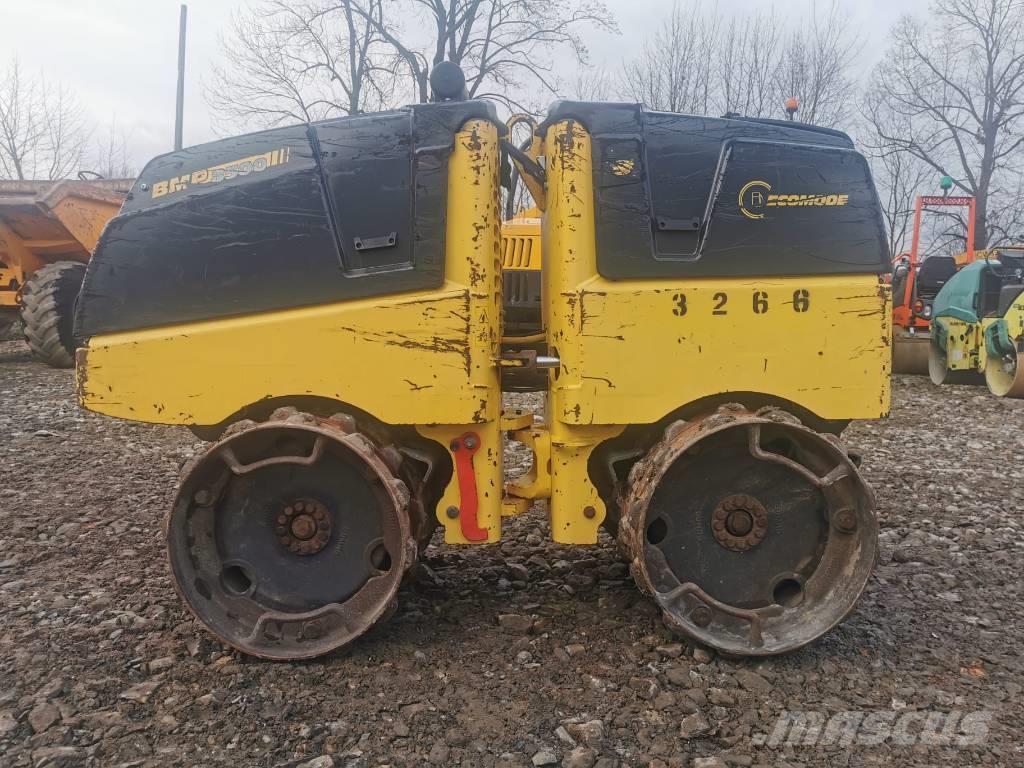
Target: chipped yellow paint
x=424, y=358
x=536, y=482
x=831, y=357
x=512, y=506
x=202, y=373
x=966, y=349
x=965, y=345
x=633, y=351
x=406, y=358
x=576, y=509
x=513, y=421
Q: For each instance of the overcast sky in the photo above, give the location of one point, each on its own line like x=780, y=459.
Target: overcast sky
x=120, y=56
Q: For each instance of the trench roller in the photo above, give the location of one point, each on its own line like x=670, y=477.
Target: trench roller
x=710, y=316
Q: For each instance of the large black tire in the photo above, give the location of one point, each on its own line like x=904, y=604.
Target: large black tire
x=48, y=311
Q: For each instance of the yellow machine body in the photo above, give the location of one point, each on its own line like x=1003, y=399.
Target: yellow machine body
x=631, y=352
x=401, y=358
x=356, y=401
x=521, y=242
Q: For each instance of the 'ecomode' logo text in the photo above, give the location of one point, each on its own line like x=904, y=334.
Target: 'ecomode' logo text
x=757, y=195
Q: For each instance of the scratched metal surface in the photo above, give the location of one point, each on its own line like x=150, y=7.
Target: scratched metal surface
x=669, y=196
x=284, y=236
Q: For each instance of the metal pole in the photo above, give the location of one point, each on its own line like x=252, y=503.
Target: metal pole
x=180, y=105
x=971, y=210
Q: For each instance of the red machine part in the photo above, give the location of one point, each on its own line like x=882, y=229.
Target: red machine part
x=462, y=449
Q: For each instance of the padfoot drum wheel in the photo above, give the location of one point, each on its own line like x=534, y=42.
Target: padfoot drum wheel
x=289, y=539
x=755, y=534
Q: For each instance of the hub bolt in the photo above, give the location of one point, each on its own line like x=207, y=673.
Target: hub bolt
x=846, y=520
x=304, y=527
x=739, y=522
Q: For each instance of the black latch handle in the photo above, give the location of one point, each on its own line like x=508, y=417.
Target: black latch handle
x=678, y=225
x=369, y=243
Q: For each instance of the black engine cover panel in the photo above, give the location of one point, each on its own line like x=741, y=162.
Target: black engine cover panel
x=287, y=217
x=684, y=196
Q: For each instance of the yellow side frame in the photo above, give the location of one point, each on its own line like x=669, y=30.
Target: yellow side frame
x=631, y=352
x=406, y=358
x=635, y=351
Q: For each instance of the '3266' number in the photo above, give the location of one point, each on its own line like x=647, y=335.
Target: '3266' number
x=759, y=303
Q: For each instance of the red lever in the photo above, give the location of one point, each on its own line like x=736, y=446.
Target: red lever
x=463, y=449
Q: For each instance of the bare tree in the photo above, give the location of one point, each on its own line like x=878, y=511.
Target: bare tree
x=43, y=128
x=111, y=157
x=505, y=47
x=21, y=130
x=815, y=65
x=746, y=64
x=675, y=70
x=291, y=61
x=593, y=84
x=66, y=133
x=899, y=178
x=702, y=62
x=959, y=85
x=1006, y=209
x=287, y=62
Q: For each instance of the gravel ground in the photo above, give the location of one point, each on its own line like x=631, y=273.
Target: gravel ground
x=522, y=654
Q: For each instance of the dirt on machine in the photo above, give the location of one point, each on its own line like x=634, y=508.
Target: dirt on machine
x=713, y=311
x=48, y=230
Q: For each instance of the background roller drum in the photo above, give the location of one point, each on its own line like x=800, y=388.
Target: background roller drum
x=1005, y=375
x=48, y=311
x=940, y=372
x=909, y=352
x=754, y=534
x=289, y=539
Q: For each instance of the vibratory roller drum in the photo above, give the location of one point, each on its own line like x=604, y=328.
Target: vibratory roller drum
x=1004, y=375
x=289, y=539
x=754, y=534
x=940, y=373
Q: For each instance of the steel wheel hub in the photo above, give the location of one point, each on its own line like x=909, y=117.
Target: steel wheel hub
x=739, y=522
x=304, y=527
